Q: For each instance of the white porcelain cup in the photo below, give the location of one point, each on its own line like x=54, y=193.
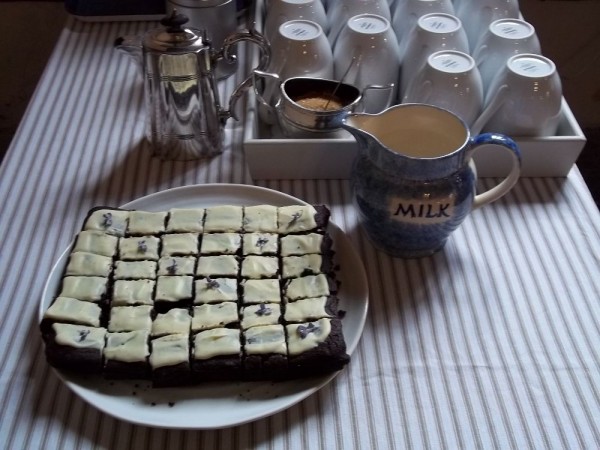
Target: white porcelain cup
x=524, y=99
x=299, y=49
x=281, y=11
x=503, y=39
x=477, y=15
x=450, y=80
x=340, y=11
x=407, y=13
x=434, y=32
x=366, y=55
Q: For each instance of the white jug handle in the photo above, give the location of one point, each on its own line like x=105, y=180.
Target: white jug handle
x=506, y=185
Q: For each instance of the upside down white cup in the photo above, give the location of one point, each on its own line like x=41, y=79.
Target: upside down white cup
x=524, y=99
x=434, y=32
x=407, y=13
x=366, y=55
x=477, y=15
x=451, y=81
x=503, y=39
x=340, y=11
x=281, y=11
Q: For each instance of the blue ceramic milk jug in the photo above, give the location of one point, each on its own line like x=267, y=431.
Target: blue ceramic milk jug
x=413, y=180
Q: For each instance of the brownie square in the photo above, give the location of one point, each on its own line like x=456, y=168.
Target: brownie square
x=218, y=266
x=139, y=248
x=177, y=265
x=311, y=309
x=265, y=353
x=173, y=292
x=316, y=348
x=145, y=222
x=89, y=264
x=133, y=292
x=302, y=244
x=217, y=315
x=135, y=270
x=73, y=311
x=180, y=244
x=223, y=218
x=170, y=360
x=130, y=318
x=89, y=289
x=174, y=321
x=76, y=348
x=126, y=355
x=256, y=266
x=213, y=290
x=182, y=220
x=98, y=242
x=260, y=218
x=216, y=355
x=108, y=220
x=260, y=244
x=302, y=265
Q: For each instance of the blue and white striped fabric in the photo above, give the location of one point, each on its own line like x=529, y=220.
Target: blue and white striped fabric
x=492, y=343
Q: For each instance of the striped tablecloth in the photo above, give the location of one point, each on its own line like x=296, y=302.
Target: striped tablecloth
x=492, y=343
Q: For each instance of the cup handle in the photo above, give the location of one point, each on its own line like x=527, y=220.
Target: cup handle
x=505, y=185
x=381, y=87
x=267, y=99
x=493, y=106
x=480, y=54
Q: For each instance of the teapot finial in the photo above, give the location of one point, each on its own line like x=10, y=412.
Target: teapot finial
x=174, y=21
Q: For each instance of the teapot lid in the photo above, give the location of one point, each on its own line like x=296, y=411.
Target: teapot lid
x=173, y=38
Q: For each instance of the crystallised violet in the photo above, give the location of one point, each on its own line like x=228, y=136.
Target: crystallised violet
x=198, y=294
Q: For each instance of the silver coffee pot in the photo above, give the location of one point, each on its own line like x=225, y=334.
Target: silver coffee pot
x=184, y=114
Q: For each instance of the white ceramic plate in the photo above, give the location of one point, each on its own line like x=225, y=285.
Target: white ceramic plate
x=216, y=405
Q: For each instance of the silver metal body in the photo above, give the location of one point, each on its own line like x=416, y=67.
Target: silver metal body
x=184, y=114
x=217, y=18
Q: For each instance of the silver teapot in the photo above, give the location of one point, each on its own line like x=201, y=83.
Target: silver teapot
x=185, y=116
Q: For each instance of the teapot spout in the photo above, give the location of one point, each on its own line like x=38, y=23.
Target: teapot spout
x=131, y=46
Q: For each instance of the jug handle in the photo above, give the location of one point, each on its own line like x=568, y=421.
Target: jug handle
x=505, y=185
x=226, y=53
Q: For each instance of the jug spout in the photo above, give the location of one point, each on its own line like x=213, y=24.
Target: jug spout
x=131, y=46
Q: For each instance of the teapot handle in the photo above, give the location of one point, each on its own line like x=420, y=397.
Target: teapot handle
x=227, y=53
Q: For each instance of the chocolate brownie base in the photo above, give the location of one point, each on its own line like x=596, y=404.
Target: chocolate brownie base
x=171, y=376
x=265, y=367
x=218, y=368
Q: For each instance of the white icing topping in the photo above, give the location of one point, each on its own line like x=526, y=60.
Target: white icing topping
x=308, y=286
x=223, y=218
x=135, y=270
x=66, y=309
x=222, y=243
x=91, y=289
x=306, y=309
x=215, y=315
x=176, y=265
x=216, y=290
x=261, y=218
x=79, y=336
x=301, y=244
x=97, y=242
x=296, y=218
x=261, y=291
x=133, y=292
x=179, y=244
x=217, y=342
x=144, y=222
x=221, y=265
x=254, y=266
x=260, y=244
x=174, y=321
x=264, y=340
x=108, y=220
x=139, y=248
x=261, y=314
x=89, y=264
x=170, y=350
x=130, y=318
x=131, y=346
x=306, y=336
x=296, y=266
x=174, y=288
x=182, y=220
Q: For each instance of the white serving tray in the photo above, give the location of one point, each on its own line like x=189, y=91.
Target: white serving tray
x=272, y=157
